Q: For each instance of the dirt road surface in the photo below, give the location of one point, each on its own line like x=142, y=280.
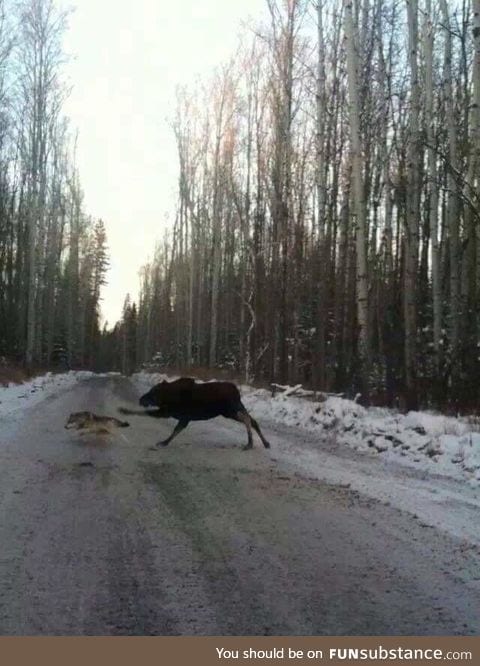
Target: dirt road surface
x=100, y=535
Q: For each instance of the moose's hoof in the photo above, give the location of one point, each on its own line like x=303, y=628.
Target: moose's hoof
x=266, y=445
x=247, y=447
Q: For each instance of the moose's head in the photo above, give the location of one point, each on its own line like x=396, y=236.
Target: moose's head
x=154, y=397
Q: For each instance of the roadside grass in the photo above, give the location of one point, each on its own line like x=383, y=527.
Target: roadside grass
x=13, y=375
x=17, y=374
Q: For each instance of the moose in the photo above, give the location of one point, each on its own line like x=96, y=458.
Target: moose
x=186, y=400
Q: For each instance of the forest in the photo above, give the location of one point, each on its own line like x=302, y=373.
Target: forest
x=327, y=227
x=326, y=230
x=53, y=256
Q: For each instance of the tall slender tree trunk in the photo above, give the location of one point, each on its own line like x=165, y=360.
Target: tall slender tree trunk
x=432, y=186
x=359, y=203
x=216, y=236
x=414, y=152
x=321, y=192
x=452, y=205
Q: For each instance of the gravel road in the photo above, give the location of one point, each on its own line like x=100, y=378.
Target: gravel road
x=100, y=535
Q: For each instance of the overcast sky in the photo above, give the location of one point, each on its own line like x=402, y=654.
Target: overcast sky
x=128, y=57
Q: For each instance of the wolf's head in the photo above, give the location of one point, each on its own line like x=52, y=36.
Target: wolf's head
x=78, y=419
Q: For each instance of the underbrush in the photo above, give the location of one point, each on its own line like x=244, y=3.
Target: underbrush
x=14, y=374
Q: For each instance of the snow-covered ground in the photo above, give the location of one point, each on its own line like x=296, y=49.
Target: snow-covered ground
x=433, y=442
x=15, y=397
x=430, y=441
x=422, y=463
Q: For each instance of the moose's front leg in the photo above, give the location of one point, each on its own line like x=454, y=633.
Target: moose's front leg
x=181, y=425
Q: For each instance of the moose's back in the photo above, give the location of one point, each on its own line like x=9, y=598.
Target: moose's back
x=184, y=397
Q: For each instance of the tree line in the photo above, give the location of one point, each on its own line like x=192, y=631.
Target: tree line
x=327, y=224
x=53, y=256
x=327, y=227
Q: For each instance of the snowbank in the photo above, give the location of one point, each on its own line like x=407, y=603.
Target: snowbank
x=438, y=443
x=17, y=396
x=444, y=444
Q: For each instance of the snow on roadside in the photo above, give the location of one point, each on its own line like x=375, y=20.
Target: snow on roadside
x=15, y=397
x=434, y=442
x=439, y=443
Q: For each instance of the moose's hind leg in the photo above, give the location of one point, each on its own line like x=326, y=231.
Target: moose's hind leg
x=255, y=425
x=243, y=417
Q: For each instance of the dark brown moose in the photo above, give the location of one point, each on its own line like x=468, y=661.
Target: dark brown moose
x=186, y=400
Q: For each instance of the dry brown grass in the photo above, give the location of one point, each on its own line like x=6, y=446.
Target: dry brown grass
x=12, y=374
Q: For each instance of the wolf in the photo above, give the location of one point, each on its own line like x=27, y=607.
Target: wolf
x=91, y=421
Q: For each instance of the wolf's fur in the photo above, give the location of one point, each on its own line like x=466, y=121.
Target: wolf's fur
x=91, y=421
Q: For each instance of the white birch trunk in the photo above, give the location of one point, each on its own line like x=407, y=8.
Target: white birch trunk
x=452, y=206
x=358, y=196
x=412, y=210
x=432, y=183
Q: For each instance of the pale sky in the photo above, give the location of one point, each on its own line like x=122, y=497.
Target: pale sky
x=128, y=58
